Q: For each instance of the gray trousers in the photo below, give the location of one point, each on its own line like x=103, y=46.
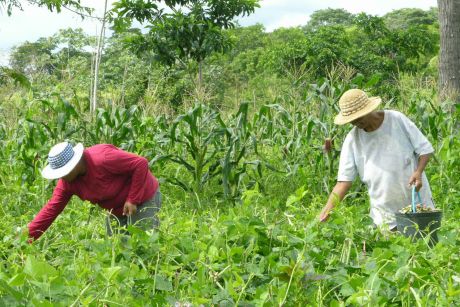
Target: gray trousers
x=144, y=218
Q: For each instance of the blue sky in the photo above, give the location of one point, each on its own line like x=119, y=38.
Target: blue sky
x=34, y=22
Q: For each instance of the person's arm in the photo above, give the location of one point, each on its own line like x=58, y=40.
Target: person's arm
x=422, y=147
x=416, y=178
x=50, y=211
x=346, y=174
x=420, y=144
x=120, y=162
x=336, y=196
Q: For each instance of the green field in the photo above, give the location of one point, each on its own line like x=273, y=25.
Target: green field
x=241, y=167
x=242, y=192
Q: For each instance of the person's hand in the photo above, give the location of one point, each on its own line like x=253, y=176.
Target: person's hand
x=129, y=209
x=324, y=215
x=416, y=179
x=21, y=232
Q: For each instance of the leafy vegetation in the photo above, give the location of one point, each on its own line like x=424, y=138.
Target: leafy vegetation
x=245, y=166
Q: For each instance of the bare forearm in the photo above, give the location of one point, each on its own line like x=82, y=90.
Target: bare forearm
x=338, y=193
x=422, y=162
x=416, y=178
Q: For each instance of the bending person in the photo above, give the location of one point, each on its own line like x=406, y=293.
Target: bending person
x=387, y=151
x=117, y=181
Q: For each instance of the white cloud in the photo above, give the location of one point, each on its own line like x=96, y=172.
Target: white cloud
x=35, y=22
x=288, y=20
x=383, y=7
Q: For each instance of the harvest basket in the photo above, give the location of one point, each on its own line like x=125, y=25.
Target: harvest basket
x=419, y=224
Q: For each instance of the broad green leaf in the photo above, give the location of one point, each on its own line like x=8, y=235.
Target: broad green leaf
x=111, y=273
x=162, y=283
x=39, y=269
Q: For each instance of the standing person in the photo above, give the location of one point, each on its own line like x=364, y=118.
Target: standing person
x=117, y=181
x=387, y=151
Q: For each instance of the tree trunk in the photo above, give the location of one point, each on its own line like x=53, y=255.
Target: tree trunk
x=100, y=45
x=449, y=58
x=93, y=60
x=123, y=85
x=200, y=74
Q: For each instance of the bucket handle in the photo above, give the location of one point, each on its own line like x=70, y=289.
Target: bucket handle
x=414, y=209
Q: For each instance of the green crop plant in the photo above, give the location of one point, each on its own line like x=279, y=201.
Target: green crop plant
x=206, y=146
x=116, y=126
x=260, y=177
x=197, y=135
x=240, y=153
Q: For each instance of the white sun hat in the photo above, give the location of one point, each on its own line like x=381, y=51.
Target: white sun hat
x=62, y=159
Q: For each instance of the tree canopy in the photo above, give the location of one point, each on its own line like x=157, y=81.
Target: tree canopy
x=409, y=17
x=329, y=17
x=52, y=5
x=185, y=29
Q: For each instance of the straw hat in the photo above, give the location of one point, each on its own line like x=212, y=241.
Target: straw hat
x=62, y=159
x=354, y=104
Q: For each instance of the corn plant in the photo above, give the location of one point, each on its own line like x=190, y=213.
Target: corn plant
x=197, y=139
x=212, y=146
x=36, y=134
x=240, y=146
x=116, y=126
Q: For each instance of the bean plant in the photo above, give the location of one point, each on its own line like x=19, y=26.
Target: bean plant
x=242, y=193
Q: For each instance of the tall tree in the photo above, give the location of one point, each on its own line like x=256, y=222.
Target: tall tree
x=329, y=17
x=33, y=59
x=408, y=17
x=449, y=57
x=187, y=30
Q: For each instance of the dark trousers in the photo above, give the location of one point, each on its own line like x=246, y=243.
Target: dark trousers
x=144, y=218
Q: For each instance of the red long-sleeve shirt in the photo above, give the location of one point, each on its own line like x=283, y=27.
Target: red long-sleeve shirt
x=112, y=178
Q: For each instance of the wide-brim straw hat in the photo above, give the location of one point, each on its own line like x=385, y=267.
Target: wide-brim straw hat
x=354, y=104
x=62, y=159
